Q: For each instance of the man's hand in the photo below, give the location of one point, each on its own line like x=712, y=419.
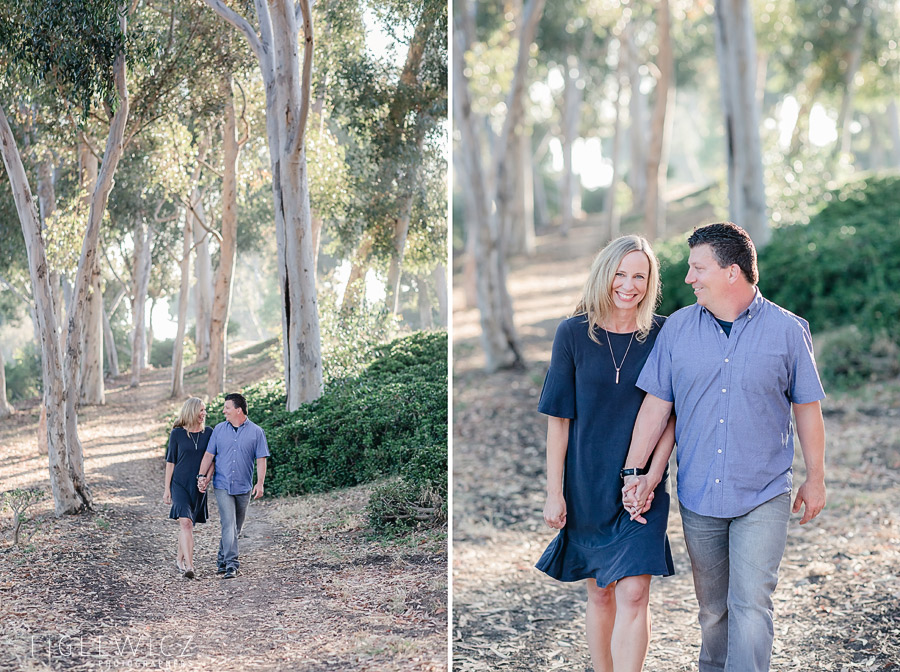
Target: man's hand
x=637, y=496
x=812, y=494
x=167, y=496
x=203, y=483
x=555, y=511
x=257, y=491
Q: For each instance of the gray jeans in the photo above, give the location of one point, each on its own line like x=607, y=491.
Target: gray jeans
x=232, y=510
x=735, y=566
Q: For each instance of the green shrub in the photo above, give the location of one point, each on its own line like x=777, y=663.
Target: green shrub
x=847, y=358
x=391, y=419
x=24, y=379
x=161, y=352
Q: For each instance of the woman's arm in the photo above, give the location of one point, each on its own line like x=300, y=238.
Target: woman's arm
x=557, y=445
x=167, y=488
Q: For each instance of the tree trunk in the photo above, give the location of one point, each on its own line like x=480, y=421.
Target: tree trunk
x=853, y=60
x=178, y=349
x=523, y=233
x=439, y=275
x=215, y=377
x=6, y=408
x=736, y=51
x=609, y=203
x=47, y=203
x=66, y=496
x=109, y=340
x=894, y=127
x=90, y=376
x=637, y=176
x=356, y=282
x=423, y=302
x=287, y=111
x=203, y=290
x=498, y=334
x=660, y=130
x=573, y=96
x=143, y=244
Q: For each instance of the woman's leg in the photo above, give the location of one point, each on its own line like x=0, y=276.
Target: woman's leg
x=631, y=634
x=599, y=621
x=186, y=541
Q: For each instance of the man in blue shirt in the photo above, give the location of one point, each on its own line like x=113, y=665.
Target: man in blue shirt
x=731, y=367
x=235, y=444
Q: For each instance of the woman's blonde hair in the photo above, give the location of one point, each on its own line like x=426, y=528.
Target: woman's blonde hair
x=190, y=413
x=596, y=301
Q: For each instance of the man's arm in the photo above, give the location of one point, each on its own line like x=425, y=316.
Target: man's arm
x=258, y=489
x=649, y=426
x=811, y=432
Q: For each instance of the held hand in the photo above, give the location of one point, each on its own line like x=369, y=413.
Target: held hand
x=812, y=494
x=167, y=496
x=637, y=496
x=202, y=484
x=257, y=491
x=555, y=511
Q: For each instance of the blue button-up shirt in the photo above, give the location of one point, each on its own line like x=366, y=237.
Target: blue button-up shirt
x=732, y=398
x=236, y=450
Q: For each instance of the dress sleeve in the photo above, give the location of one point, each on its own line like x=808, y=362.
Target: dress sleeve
x=172, y=451
x=558, y=394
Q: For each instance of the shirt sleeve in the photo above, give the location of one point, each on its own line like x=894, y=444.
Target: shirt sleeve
x=656, y=376
x=558, y=393
x=211, y=446
x=806, y=386
x=172, y=450
x=262, y=446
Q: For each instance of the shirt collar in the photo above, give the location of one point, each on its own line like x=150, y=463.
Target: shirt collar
x=750, y=312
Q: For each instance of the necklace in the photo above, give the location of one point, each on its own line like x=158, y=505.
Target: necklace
x=196, y=441
x=609, y=343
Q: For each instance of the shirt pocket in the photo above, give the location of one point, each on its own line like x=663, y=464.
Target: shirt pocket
x=764, y=373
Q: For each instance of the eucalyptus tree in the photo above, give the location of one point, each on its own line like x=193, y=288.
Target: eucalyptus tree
x=275, y=41
x=488, y=186
x=81, y=50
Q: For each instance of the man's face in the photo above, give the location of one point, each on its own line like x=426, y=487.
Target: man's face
x=708, y=279
x=231, y=413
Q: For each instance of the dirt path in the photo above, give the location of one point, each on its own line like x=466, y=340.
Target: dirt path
x=838, y=600
x=100, y=590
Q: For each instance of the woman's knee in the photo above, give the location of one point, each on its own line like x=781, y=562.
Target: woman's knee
x=186, y=524
x=601, y=597
x=633, y=591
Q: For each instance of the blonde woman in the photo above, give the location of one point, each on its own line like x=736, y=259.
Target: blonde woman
x=187, y=445
x=590, y=395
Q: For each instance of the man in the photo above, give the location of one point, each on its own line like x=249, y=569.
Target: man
x=234, y=444
x=732, y=367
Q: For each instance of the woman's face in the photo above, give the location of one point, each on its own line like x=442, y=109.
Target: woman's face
x=203, y=415
x=630, y=282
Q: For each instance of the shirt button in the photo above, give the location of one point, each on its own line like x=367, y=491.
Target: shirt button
x=723, y=390
x=721, y=331
x=721, y=420
x=717, y=480
x=719, y=451
x=726, y=360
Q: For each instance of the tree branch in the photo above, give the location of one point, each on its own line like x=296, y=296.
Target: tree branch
x=240, y=23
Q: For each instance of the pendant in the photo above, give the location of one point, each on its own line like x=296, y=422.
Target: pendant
x=617, y=376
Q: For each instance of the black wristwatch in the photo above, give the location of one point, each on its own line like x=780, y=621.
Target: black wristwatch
x=633, y=471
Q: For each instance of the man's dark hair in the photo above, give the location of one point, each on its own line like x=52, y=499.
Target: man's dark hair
x=237, y=400
x=730, y=245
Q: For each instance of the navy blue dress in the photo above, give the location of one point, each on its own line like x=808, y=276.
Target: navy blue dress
x=599, y=540
x=187, y=500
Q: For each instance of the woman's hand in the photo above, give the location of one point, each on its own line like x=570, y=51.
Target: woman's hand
x=167, y=496
x=637, y=495
x=555, y=511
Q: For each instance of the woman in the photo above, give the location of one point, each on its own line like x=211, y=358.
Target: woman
x=592, y=401
x=187, y=444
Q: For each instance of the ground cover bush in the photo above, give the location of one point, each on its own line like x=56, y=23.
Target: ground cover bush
x=389, y=420
x=840, y=270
